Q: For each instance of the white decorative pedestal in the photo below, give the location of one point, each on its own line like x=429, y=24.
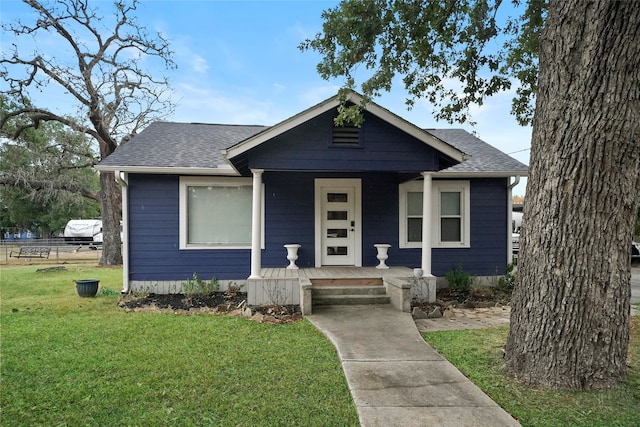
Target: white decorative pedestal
x=382, y=254
x=292, y=256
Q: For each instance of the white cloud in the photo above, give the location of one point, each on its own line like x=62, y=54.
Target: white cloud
x=313, y=95
x=199, y=64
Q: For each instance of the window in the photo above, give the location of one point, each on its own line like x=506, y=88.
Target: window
x=215, y=213
x=450, y=217
x=414, y=216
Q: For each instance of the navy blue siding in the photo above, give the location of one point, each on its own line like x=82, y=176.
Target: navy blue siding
x=154, y=252
x=309, y=147
x=289, y=218
x=379, y=216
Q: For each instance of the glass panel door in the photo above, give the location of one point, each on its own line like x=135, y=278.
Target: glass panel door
x=338, y=224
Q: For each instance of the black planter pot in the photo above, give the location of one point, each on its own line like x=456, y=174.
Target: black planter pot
x=87, y=287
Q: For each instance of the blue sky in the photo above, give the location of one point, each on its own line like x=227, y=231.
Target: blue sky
x=239, y=62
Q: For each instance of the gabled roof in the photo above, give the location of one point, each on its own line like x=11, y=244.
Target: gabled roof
x=484, y=159
x=188, y=148
x=333, y=103
x=204, y=149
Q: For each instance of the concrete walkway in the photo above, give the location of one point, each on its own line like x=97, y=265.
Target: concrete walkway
x=396, y=378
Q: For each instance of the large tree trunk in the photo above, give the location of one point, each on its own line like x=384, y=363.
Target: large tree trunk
x=570, y=312
x=110, y=207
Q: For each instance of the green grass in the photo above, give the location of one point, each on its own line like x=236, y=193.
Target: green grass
x=71, y=361
x=478, y=355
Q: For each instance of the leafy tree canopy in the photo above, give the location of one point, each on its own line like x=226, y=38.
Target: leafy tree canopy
x=455, y=53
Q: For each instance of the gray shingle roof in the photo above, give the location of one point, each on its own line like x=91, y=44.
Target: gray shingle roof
x=196, y=145
x=484, y=157
x=183, y=145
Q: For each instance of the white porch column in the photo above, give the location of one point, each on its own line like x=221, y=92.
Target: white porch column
x=256, y=225
x=426, y=224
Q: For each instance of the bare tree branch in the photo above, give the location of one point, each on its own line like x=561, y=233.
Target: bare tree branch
x=103, y=79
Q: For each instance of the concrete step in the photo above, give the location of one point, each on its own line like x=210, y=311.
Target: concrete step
x=347, y=290
x=355, y=282
x=349, y=295
x=350, y=300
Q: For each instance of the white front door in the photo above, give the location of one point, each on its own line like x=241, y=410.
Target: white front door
x=338, y=218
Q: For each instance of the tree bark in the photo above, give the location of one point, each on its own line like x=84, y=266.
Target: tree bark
x=110, y=201
x=570, y=311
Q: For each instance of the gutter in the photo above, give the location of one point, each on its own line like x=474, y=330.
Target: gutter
x=122, y=178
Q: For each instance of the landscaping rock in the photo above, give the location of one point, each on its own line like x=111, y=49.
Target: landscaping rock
x=435, y=314
x=418, y=314
x=258, y=317
x=247, y=313
x=448, y=313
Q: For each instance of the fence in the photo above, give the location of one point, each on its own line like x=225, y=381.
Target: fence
x=61, y=252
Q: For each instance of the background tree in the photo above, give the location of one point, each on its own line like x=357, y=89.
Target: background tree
x=46, y=177
x=570, y=311
x=102, y=81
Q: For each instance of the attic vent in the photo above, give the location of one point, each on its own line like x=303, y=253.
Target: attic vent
x=346, y=135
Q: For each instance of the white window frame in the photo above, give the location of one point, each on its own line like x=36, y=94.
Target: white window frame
x=187, y=181
x=438, y=187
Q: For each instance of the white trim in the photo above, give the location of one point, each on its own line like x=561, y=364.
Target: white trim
x=219, y=181
x=438, y=186
x=453, y=174
x=224, y=170
x=321, y=183
x=334, y=102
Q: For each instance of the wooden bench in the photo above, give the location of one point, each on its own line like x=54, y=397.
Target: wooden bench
x=31, y=252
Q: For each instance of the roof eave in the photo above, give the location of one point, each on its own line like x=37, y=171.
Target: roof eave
x=480, y=174
x=169, y=170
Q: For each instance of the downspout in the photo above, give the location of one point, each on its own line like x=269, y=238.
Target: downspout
x=510, y=218
x=122, y=178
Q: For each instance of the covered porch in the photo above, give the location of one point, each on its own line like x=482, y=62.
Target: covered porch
x=309, y=287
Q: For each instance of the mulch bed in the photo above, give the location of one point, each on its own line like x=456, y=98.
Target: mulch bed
x=474, y=298
x=233, y=304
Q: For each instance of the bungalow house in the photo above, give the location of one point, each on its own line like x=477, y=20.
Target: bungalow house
x=275, y=207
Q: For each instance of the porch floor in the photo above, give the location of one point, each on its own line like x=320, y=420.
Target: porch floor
x=336, y=273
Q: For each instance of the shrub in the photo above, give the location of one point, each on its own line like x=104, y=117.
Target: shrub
x=459, y=280
x=507, y=282
x=197, y=286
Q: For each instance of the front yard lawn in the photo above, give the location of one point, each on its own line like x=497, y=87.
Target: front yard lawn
x=478, y=355
x=68, y=360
